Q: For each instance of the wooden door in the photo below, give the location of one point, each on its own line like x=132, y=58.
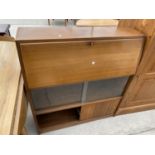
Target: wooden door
x=99, y=109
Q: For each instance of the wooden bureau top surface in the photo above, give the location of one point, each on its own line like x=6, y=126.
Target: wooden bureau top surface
x=74, y=33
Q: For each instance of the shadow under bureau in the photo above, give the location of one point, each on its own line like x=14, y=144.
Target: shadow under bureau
x=76, y=74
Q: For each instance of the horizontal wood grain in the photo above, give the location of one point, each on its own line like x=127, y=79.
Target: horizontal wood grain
x=29, y=34
x=57, y=108
x=49, y=64
x=72, y=105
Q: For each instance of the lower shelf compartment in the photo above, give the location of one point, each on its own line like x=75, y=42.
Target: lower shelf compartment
x=57, y=119
x=68, y=117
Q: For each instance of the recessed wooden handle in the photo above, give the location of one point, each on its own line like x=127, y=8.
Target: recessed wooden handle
x=91, y=43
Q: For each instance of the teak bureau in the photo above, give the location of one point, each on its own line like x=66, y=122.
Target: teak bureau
x=76, y=74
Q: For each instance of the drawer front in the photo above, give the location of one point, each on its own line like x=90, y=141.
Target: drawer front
x=99, y=109
x=48, y=64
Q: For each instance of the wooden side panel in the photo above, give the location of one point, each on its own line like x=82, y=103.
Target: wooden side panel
x=140, y=94
x=144, y=25
x=148, y=28
x=99, y=109
x=146, y=91
x=48, y=64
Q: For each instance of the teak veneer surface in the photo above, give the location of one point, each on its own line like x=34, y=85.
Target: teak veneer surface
x=58, y=58
x=61, y=33
x=49, y=64
x=99, y=108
